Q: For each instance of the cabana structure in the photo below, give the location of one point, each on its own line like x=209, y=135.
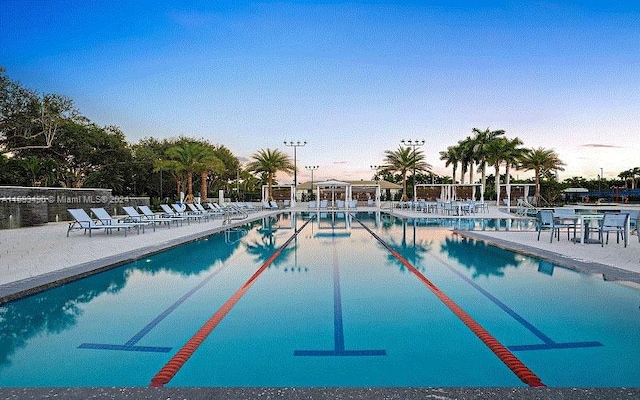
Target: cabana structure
x=514, y=191
x=447, y=191
x=361, y=191
x=279, y=193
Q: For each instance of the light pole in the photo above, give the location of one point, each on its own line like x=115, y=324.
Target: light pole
x=414, y=144
x=295, y=146
x=600, y=183
x=312, y=168
x=377, y=168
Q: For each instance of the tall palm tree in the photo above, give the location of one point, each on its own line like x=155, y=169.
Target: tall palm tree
x=466, y=157
x=187, y=156
x=270, y=162
x=481, y=141
x=451, y=157
x=403, y=160
x=206, y=163
x=542, y=161
x=501, y=150
x=512, y=154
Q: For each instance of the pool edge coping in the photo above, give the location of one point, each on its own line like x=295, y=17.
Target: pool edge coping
x=39, y=283
x=608, y=272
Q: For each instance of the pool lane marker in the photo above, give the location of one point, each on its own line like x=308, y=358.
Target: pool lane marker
x=130, y=345
x=548, y=343
x=339, y=349
x=511, y=361
x=176, y=362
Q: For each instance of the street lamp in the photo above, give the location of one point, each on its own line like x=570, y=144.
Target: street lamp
x=414, y=144
x=312, y=168
x=295, y=146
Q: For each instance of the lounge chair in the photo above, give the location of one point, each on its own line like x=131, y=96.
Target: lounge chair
x=210, y=212
x=353, y=204
x=266, y=205
x=82, y=220
x=168, y=211
x=135, y=216
x=614, y=222
x=274, y=205
x=547, y=221
x=311, y=204
x=103, y=216
x=324, y=204
x=193, y=210
x=150, y=215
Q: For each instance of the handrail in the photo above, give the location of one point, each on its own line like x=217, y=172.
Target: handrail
x=231, y=212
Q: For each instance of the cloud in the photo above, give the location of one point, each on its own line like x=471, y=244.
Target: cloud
x=598, y=145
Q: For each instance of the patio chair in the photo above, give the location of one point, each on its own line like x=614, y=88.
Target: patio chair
x=311, y=204
x=324, y=204
x=274, y=205
x=266, y=205
x=103, y=216
x=566, y=216
x=151, y=216
x=82, y=220
x=135, y=216
x=546, y=221
x=613, y=222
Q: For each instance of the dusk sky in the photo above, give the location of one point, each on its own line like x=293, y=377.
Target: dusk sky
x=352, y=78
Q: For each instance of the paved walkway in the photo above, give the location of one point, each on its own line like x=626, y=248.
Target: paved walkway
x=32, y=258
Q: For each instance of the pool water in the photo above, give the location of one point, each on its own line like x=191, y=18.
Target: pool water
x=335, y=308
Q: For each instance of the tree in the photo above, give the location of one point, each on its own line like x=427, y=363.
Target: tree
x=403, y=160
x=189, y=157
x=543, y=162
x=451, y=157
x=270, y=162
x=29, y=120
x=207, y=162
x=481, y=142
x=501, y=150
x=467, y=160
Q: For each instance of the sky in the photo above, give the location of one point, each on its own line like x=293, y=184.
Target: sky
x=351, y=78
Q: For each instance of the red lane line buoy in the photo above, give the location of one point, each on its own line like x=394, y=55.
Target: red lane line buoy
x=505, y=355
x=176, y=362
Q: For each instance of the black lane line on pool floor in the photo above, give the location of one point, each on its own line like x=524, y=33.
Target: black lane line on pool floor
x=338, y=328
x=525, y=374
x=171, y=368
x=130, y=345
x=548, y=343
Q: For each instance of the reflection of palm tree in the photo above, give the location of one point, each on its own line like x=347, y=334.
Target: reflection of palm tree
x=59, y=308
x=483, y=259
x=265, y=246
x=413, y=252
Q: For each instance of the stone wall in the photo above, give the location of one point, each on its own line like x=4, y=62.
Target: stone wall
x=30, y=206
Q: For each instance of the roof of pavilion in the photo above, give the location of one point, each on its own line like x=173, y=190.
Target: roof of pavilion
x=383, y=184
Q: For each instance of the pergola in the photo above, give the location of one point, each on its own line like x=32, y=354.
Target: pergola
x=520, y=189
x=447, y=191
x=330, y=189
x=279, y=193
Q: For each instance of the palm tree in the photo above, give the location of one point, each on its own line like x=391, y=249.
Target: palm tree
x=451, y=157
x=542, y=161
x=403, y=160
x=512, y=155
x=187, y=156
x=481, y=141
x=466, y=157
x=503, y=150
x=206, y=163
x=270, y=162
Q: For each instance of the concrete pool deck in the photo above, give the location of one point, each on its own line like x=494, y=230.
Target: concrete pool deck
x=32, y=259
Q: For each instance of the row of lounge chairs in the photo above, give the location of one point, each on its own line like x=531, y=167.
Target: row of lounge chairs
x=144, y=217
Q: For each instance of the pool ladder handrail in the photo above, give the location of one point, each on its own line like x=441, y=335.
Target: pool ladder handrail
x=232, y=212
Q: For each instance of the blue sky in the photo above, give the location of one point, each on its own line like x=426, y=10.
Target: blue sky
x=351, y=78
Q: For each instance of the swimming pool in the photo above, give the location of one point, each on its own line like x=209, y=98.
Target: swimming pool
x=335, y=307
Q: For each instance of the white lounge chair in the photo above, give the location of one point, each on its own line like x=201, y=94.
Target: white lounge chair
x=103, y=216
x=82, y=220
x=150, y=215
x=168, y=211
x=193, y=210
x=210, y=212
x=135, y=216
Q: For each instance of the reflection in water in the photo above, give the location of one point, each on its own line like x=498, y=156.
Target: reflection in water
x=57, y=309
x=265, y=245
x=413, y=249
x=483, y=259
